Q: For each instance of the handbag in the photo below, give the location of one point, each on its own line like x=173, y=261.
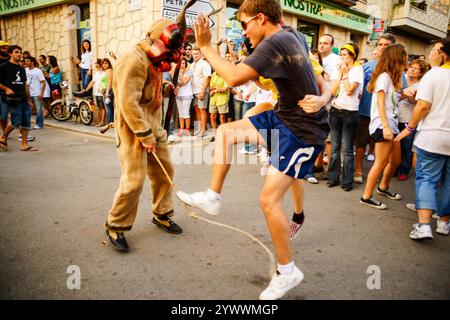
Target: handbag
x=12, y=100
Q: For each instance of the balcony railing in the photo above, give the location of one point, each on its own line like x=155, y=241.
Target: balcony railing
x=418, y=18
x=419, y=4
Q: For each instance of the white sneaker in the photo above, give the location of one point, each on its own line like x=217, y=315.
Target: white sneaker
x=280, y=284
x=371, y=157
x=29, y=139
x=422, y=233
x=443, y=227
x=312, y=180
x=263, y=155
x=171, y=138
x=411, y=206
x=201, y=201
x=244, y=151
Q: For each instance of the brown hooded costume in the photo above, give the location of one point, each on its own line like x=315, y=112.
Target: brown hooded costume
x=138, y=89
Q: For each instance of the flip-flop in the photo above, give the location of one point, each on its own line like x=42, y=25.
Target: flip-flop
x=4, y=144
x=29, y=148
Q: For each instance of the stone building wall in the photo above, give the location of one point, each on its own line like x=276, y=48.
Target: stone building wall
x=114, y=28
x=43, y=31
x=51, y=34
x=17, y=30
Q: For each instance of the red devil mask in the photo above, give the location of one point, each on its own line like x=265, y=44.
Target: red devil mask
x=167, y=48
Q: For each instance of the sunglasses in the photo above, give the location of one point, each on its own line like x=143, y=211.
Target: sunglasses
x=244, y=24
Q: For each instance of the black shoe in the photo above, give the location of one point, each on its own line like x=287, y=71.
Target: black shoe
x=167, y=224
x=347, y=188
x=120, y=243
x=374, y=203
x=323, y=176
x=388, y=193
x=332, y=184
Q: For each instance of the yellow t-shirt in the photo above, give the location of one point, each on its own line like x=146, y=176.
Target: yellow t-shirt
x=269, y=85
x=318, y=69
x=220, y=98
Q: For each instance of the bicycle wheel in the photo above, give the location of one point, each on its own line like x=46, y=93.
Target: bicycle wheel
x=60, y=112
x=86, y=115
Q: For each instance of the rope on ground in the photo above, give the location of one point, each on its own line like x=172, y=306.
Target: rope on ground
x=193, y=214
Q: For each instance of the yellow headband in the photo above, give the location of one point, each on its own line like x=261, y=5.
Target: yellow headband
x=350, y=48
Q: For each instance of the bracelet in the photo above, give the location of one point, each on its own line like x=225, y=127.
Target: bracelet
x=343, y=79
x=410, y=129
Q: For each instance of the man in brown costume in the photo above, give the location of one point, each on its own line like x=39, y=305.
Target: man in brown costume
x=138, y=88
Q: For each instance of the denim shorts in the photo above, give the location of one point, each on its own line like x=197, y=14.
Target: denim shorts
x=289, y=154
x=21, y=115
x=378, y=136
x=3, y=110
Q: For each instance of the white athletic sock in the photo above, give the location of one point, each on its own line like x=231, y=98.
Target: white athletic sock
x=213, y=196
x=286, y=268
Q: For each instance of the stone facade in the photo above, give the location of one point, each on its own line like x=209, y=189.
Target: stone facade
x=42, y=31
x=114, y=28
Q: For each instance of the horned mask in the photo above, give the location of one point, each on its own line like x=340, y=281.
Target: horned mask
x=167, y=38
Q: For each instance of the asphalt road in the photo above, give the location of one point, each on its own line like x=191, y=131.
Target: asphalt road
x=53, y=204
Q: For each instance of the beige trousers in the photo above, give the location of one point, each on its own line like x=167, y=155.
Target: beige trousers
x=136, y=164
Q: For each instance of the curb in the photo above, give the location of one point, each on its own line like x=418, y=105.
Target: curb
x=86, y=132
x=110, y=136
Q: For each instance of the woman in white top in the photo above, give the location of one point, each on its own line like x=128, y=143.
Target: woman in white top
x=415, y=72
x=386, y=85
x=347, y=89
x=85, y=63
x=184, y=98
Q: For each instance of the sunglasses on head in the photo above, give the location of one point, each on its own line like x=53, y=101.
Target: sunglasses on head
x=244, y=24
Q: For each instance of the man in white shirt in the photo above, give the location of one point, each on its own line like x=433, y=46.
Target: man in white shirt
x=330, y=60
x=432, y=142
x=37, y=84
x=330, y=65
x=201, y=76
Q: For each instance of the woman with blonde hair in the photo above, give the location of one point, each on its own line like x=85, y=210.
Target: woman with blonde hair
x=386, y=84
x=416, y=71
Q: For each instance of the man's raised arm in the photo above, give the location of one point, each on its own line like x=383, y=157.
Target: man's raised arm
x=233, y=74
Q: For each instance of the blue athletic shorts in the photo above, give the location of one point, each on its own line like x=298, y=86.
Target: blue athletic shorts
x=289, y=154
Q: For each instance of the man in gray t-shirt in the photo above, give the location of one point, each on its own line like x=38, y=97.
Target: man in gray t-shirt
x=294, y=136
x=283, y=57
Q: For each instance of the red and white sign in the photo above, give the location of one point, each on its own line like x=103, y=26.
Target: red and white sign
x=378, y=25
